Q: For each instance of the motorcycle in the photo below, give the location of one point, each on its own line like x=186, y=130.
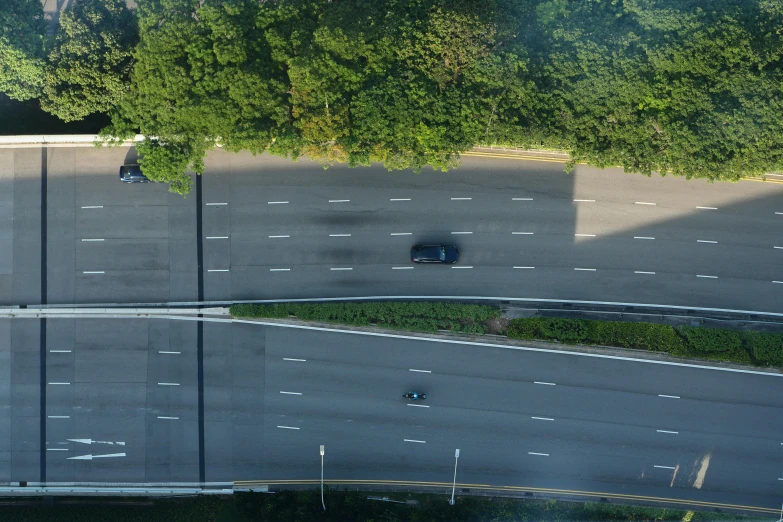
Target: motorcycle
x=414, y=396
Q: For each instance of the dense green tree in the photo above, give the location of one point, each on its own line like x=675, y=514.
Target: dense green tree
x=90, y=62
x=22, y=48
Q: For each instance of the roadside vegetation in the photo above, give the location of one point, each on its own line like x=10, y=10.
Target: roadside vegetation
x=305, y=506
x=744, y=347
x=690, y=87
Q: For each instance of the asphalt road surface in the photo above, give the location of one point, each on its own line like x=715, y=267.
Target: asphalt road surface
x=125, y=393
x=271, y=228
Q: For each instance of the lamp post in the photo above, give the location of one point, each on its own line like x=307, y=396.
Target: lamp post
x=454, y=482
x=322, y=477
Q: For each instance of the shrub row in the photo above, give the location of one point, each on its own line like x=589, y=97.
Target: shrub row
x=760, y=348
x=418, y=316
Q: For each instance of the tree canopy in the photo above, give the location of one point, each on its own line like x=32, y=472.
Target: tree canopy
x=688, y=87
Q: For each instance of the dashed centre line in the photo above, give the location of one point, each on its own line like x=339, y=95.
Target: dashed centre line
x=522, y=233
x=86, y=240
x=58, y=416
x=539, y=454
x=461, y=199
x=295, y=360
x=546, y=383
x=401, y=233
x=586, y=269
x=290, y=393
x=642, y=272
x=455, y=233
x=584, y=235
x=218, y=270
x=667, y=431
x=531, y=267
x=707, y=208
x=341, y=268
x=643, y=237
x=93, y=206
x=279, y=269
x=707, y=276
x=277, y=202
x=217, y=237
x=521, y=199
x=402, y=268
x=216, y=204
x=276, y=237
x=542, y=418
x=288, y=427
x=419, y=405
x=399, y=199
x=663, y=467
x=339, y=235
x=93, y=272
x=461, y=267
x=413, y=440
x=168, y=418
x=339, y=201
x=669, y=396
x=643, y=203
x=705, y=241
x=584, y=201
x=425, y=371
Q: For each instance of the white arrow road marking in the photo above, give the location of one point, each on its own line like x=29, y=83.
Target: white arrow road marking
x=90, y=457
x=90, y=441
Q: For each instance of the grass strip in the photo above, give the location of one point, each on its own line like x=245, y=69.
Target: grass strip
x=414, y=316
x=756, y=348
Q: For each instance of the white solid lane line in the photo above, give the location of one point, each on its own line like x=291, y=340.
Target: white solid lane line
x=217, y=237
x=401, y=233
x=216, y=204
x=669, y=396
x=412, y=440
x=521, y=199
x=168, y=384
x=584, y=200
x=540, y=454
x=339, y=235
x=92, y=240
x=584, y=235
x=399, y=199
x=542, y=418
x=430, y=371
x=461, y=199
x=279, y=269
x=218, y=270
x=271, y=237
x=522, y=233
x=276, y=202
x=705, y=241
x=667, y=431
x=290, y=393
x=453, y=233
x=524, y=267
x=643, y=237
x=419, y=405
x=707, y=277
x=341, y=268
x=339, y=200
x=586, y=269
x=169, y=418
x=663, y=467
x=288, y=427
x=708, y=208
x=291, y=359
x=643, y=203
x=643, y=272
x=402, y=268
x=93, y=206
x=547, y=383
x=93, y=272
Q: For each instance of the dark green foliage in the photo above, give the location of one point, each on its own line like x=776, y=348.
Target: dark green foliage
x=759, y=348
x=418, y=316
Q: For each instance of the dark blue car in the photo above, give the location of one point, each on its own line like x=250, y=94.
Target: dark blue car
x=132, y=174
x=447, y=254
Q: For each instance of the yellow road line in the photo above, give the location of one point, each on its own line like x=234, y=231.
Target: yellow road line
x=622, y=496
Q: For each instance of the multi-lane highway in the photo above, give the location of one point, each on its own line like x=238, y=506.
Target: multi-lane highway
x=121, y=407
x=270, y=228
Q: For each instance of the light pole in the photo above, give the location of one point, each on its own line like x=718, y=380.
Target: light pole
x=454, y=482
x=322, y=477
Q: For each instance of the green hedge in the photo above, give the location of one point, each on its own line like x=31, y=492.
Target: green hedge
x=418, y=316
x=763, y=349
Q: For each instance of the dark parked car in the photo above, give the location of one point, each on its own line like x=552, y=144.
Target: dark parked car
x=132, y=174
x=434, y=254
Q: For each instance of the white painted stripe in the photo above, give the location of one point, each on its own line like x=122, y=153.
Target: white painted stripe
x=521, y=199
x=507, y=347
x=272, y=237
x=708, y=208
x=542, y=418
x=341, y=268
x=402, y=268
x=59, y=351
x=780, y=247
x=778, y=282
x=57, y=449
x=339, y=200
x=586, y=269
x=60, y=383
x=585, y=200
x=547, y=383
x=399, y=199
x=540, y=454
x=290, y=393
x=279, y=269
x=288, y=427
x=705, y=241
x=92, y=240
x=419, y=405
x=93, y=272
x=667, y=431
x=218, y=270
x=777, y=213
x=461, y=267
x=401, y=233
x=522, y=233
x=216, y=204
x=663, y=467
x=276, y=202
x=430, y=371
x=643, y=272
x=524, y=267
x=58, y=416
x=173, y=353
x=461, y=199
x=168, y=384
x=339, y=235
x=643, y=237
x=93, y=206
x=669, y=396
x=584, y=235
x=643, y=203
x=217, y=237
x=411, y=440
x=707, y=277
x=455, y=233
x=297, y=360
x=169, y=418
